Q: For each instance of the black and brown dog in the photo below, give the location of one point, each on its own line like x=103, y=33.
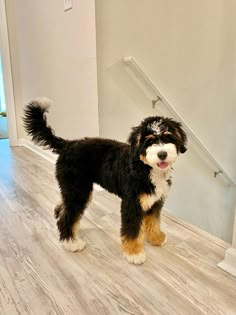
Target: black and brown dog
x=138, y=172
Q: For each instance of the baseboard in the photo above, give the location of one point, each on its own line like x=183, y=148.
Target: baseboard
x=229, y=263
x=46, y=154
x=196, y=230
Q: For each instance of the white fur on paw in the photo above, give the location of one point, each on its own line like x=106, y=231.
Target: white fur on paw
x=136, y=259
x=74, y=245
x=165, y=241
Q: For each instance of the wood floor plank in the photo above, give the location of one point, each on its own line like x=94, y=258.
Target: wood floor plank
x=178, y=272
x=37, y=276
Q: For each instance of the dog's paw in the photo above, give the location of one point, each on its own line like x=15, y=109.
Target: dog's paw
x=136, y=259
x=157, y=240
x=74, y=245
x=165, y=239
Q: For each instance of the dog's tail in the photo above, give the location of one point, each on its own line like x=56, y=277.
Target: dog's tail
x=35, y=123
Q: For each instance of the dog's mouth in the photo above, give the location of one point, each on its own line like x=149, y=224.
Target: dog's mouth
x=163, y=165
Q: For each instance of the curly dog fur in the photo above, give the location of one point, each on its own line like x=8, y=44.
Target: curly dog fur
x=138, y=172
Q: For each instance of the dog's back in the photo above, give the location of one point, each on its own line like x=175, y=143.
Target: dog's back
x=95, y=160
x=90, y=160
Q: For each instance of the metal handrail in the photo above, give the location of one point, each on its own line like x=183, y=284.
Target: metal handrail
x=160, y=97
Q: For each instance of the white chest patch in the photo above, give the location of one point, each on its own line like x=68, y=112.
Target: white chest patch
x=159, y=180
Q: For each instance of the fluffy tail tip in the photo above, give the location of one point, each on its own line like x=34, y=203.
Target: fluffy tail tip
x=33, y=117
x=43, y=102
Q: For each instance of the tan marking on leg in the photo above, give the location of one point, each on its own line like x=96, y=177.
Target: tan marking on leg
x=133, y=249
x=154, y=235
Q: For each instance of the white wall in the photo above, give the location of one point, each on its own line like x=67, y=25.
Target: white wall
x=188, y=48
x=53, y=54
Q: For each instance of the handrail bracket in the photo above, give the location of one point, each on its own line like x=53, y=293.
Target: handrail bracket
x=155, y=101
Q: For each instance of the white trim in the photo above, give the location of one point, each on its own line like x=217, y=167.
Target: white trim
x=131, y=61
x=46, y=154
x=7, y=76
x=229, y=263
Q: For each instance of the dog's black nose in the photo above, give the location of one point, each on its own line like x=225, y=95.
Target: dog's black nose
x=162, y=155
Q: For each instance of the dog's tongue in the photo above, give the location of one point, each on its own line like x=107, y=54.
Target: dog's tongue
x=163, y=164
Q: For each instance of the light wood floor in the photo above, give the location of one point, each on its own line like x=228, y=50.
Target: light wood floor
x=37, y=276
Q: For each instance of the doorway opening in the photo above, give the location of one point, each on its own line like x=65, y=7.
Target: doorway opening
x=3, y=114
x=7, y=102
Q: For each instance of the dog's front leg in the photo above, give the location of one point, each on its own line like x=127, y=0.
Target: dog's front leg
x=153, y=232
x=132, y=231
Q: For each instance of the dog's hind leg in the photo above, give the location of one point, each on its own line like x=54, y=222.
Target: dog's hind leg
x=69, y=214
x=132, y=232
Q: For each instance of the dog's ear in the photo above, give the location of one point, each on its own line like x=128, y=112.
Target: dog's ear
x=182, y=137
x=135, y=137
x=183, y=149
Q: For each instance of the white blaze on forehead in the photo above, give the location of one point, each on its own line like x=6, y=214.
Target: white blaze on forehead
x=155, y=126
x=153, y=150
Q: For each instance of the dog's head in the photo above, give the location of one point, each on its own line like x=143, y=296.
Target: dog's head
x=157, y=142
